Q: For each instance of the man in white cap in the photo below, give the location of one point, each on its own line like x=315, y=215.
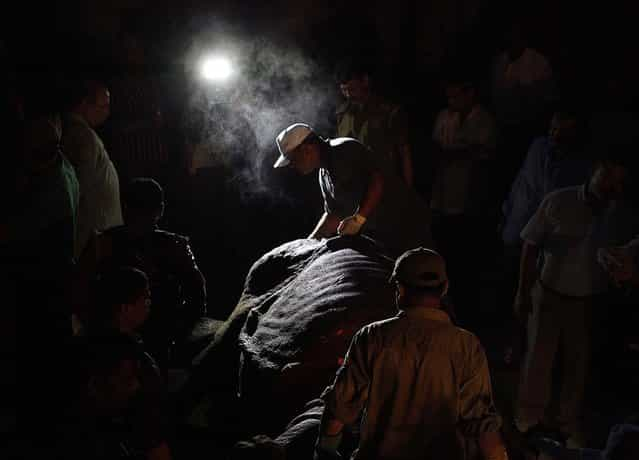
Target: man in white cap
x=423, y=383
x=361, y=194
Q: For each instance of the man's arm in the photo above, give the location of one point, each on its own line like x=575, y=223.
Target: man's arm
x=330, y=438
x=373, y=194
x=326, y=226
x=353, y=224
x=477, y=414
x=527, y=277
x=193, y=284
x=345, y=398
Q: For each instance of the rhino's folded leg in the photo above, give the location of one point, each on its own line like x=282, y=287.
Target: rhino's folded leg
x=301, y=434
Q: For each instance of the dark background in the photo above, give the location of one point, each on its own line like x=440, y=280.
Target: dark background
x=412, y=44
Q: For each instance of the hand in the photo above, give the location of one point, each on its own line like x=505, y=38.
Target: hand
x=351, y=225
x=624, y=269
x=523, y=305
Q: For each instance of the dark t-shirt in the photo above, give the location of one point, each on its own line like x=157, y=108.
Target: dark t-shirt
x=401, y=220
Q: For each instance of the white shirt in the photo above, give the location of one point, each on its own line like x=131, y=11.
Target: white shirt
x=99, y=207
x=570, y=231
x=452, y=184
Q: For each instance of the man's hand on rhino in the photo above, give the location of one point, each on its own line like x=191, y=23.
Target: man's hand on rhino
x=351, y=225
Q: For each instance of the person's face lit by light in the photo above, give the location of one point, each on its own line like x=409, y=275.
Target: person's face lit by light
x=356, y=89
x=305, y=159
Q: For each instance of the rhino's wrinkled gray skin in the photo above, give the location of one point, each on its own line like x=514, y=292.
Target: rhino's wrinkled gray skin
x=301, y=304
x=308, y=299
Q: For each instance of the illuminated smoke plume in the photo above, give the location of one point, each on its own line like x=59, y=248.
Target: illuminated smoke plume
x=273, y=85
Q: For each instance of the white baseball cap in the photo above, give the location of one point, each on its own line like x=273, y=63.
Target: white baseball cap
x=288, y=140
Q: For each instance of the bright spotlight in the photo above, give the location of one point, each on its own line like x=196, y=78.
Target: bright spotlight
x=217, y=68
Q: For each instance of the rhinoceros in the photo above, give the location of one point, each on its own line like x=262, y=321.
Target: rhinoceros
x=302, y=302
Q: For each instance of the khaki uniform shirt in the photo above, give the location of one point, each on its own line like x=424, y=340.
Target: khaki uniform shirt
x=421, y=381
x=379, y=125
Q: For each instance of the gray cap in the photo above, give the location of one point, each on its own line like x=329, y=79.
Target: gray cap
x=420, y=267
x=288, y=140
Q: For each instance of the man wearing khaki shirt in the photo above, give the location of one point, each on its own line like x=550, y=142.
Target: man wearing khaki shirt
x=423, y=383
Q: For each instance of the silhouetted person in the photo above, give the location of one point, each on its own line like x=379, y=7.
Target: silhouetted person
x=523, y=88
x=375, y=122
x=464, y=138
x=560, y=296
x=178, y=287
x=37, y=233
x=109, y=416
x=422, y=383
x=100, y=206
x=360, y=194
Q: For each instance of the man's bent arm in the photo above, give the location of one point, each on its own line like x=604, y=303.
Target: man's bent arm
x=326, y=227
x=373, y=194
x=528, y=267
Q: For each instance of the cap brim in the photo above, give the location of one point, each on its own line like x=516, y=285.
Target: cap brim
x=282, y=162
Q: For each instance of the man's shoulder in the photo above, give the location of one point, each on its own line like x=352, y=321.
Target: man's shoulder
x=171, y=238
x=382, y=325
x=565, y=194
x=76, y=132
x=464, y=335
x=540, y=146
x=346, y=143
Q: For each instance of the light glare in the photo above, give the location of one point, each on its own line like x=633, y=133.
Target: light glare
x=217, y=69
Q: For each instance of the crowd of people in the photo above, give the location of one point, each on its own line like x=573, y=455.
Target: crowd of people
x=518, y=183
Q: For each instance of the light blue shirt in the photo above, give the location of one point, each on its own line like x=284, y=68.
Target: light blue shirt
x=543, y=171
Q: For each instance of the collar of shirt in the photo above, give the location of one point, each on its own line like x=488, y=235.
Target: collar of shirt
x=434, y=314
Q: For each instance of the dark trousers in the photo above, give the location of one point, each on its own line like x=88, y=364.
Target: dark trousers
x=461, y=240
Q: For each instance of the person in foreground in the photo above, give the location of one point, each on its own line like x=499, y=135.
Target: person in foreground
x=423, y=383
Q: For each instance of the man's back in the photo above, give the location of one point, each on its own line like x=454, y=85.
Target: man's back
x=423, y=381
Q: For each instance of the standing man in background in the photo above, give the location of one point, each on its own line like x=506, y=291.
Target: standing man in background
x=99, y=183
x=559, y=299
x=375, y=122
